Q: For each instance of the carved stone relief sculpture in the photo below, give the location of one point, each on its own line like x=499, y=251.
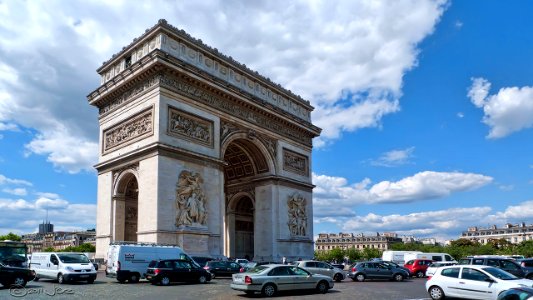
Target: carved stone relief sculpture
x=295, y=162
x=190, y=200
x=297, y=215
x=131, y=130
x=190, y=127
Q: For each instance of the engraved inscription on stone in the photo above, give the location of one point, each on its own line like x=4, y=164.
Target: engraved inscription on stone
x=193, y=128
x=133, y=129
x=297, y=215
x=295, y=162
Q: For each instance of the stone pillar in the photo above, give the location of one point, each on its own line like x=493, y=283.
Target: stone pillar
x=230, y=234
x=265, y=217
x=119, y=217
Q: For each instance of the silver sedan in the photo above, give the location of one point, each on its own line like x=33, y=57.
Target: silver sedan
x=269, y=279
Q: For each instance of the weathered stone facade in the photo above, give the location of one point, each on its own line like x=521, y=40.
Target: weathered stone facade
x=198, y=150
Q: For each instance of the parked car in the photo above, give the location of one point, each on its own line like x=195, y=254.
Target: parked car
x=201, y=260
x=434, y=266
x=223, y=268
x=163, y=272
x=270, y=279
x=242, y=261
x=518, y=293
x=395, y=265
x=15, y=276
x=527, y=266
x=253, y=264
x=320, y=267
x=505, y=264
x=472, y=282
x=376, y=270
x=418, y=267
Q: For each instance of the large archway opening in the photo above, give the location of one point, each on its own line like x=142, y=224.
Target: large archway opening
x=244, y=163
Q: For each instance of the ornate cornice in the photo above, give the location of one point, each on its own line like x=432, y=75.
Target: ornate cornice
x=192, y=52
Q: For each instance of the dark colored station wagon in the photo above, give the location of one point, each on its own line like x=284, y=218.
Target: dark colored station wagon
x=163, y=272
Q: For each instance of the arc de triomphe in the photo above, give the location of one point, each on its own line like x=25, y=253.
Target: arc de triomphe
x=200, y=151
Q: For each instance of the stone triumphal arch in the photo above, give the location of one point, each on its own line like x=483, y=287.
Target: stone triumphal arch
x=200, y=151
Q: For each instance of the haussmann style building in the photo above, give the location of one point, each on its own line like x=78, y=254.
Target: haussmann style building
x=345, y=241
x=200, y=151
x=513, y=233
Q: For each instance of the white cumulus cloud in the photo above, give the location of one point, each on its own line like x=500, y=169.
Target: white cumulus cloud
x=347, y=58
x=425, y=185
x=394, y=158
x=508, y=111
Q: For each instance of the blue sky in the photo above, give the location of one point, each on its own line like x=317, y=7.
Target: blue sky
x=426, y=106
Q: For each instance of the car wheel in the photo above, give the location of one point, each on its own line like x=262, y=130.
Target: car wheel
x=398, y=277
x=36, y=279
x=360, y=277
x=436, y=293
x=164, y=280
x=322, y=287
x=530, y=277
x=202, y=279
x=337, y=277
x=269, y=290
x=91, y=281
x=121, y=280
x=19, y=281
x=420, y=274
x=134, y=278
x=212, y=275
x=60, y=279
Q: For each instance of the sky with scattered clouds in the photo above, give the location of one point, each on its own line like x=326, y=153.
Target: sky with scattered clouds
x=426, y=107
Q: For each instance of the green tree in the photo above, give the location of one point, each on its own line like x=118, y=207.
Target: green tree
x=10, y=236
x=353, y=254
x=369, y=253
x=49, y=249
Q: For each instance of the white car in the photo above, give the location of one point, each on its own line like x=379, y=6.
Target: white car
x=434, y=266
x=472, y=282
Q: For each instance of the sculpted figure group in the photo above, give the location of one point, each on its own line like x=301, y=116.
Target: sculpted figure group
x=190, y=200
x=297, y=215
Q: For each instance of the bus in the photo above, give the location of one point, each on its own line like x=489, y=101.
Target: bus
x=13, y=254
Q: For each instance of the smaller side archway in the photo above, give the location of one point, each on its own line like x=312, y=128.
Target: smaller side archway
x=125, y=206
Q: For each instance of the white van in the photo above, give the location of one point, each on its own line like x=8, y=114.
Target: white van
x=439, y=257
x=62, y=266
x=396, y=256
x=129, y=260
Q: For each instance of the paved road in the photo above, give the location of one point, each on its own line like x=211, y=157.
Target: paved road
x=106, y=288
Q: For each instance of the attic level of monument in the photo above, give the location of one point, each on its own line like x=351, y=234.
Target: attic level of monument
x=194, y=55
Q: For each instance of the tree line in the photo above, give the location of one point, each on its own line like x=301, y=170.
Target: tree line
x=458, y=249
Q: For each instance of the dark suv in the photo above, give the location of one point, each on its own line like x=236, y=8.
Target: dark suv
x=527, y=266
x=223, y=268
x=15, y=276
x=375, y=270
x=503, y=263
x=165, y=271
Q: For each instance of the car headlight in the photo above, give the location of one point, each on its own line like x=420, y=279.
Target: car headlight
x=70, y=269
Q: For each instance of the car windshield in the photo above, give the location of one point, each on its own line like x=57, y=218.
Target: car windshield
x=73, y=258
x=257, y=269
x=501, y=274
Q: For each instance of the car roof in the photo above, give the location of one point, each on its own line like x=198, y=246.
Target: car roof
x=468, y=266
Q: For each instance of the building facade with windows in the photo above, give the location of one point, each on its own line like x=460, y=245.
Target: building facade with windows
x=345, y=241
x=58, y=240
x=513, y=233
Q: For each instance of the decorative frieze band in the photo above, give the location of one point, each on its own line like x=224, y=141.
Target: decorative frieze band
x=295, y=162
x=126, y=132
x=190, y=127
x=232, y=108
